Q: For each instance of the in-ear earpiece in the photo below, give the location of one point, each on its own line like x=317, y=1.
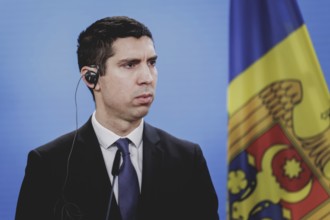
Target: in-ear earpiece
x=92, y=77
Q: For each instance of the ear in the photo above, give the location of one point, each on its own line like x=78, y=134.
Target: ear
x=90, y=76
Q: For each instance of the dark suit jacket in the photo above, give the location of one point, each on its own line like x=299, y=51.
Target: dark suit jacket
x=176, y=184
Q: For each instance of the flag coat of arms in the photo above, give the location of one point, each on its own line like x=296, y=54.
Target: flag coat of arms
x=279, y=116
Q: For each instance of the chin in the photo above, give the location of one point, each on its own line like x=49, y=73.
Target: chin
x=142, y=112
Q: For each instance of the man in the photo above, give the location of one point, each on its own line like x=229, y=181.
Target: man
x=72, y=176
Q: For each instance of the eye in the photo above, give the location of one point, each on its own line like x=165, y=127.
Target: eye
x=130, y=65
x=152, y=62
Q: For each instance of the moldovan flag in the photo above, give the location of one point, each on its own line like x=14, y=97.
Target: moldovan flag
x=279, y=122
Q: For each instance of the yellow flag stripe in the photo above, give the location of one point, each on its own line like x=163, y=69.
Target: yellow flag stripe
x=293, y=58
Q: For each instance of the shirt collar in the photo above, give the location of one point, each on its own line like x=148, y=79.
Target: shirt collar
x=107, y=138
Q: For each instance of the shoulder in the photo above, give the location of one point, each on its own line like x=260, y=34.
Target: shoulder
x=63, y=144
x=167, y=141
x=157, y=134
x=55, y=150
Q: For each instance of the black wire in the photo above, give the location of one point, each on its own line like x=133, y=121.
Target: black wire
x=74, y=138
x=69, y=210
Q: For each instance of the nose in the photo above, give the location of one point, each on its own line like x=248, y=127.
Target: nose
x=146, y=74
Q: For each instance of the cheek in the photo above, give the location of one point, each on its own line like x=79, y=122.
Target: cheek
x=120, y=90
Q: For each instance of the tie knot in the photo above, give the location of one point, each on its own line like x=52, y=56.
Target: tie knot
x=122, y=145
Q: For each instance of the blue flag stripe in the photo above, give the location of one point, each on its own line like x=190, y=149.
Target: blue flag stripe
x=256, y=26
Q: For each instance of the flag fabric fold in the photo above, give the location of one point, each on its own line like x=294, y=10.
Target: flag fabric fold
x=279, y=123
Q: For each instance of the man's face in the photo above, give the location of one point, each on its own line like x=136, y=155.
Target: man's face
x=127, y=89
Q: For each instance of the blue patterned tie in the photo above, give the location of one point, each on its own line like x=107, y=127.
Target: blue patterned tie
x=128, y=184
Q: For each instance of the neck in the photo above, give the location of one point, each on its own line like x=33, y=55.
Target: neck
x=120, y=127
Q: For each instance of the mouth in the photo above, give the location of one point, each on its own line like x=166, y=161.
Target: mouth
x=144, y=99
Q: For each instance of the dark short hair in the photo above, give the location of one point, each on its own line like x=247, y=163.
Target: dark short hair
x=95, y=43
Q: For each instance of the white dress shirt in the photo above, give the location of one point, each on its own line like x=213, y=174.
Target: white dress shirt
x=107, y=140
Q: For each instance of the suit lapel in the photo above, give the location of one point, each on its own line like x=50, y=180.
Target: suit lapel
x=152, y=165
x=93, y=163
x=91, y=167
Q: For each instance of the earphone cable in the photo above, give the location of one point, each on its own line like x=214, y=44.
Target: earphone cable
x=67, y=209
x=74, y=138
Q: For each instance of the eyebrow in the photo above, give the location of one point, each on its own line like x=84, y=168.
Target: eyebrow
x=153, y=57
x=124, y=61
x=134, y=60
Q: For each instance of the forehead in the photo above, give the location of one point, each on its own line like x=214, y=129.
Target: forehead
x=133, y=47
